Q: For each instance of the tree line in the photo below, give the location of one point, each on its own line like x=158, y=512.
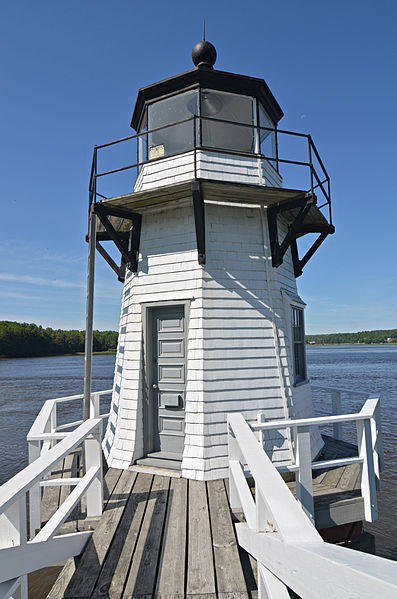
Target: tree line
x=25, y=340
x=367, y=337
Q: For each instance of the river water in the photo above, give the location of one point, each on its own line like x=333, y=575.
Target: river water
x=26, y=382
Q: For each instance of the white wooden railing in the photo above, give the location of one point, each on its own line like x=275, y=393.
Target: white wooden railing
x=279, y=535
x=45, y=433
x=370, y=452
x=22, y=550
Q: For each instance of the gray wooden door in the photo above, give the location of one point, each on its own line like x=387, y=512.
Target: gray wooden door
x=168, y=382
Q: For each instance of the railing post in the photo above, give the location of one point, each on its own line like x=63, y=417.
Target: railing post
x=337, y=409
x=93, y=458
x=368, y=485
x=89, y=314
x=22, y=591
x=309, y=142
x=14, y=532
x=53, y=420
x=94, y=405
x=13, y=524
x=264, y=520
x=15, y=588
x=260, y=420
x=234, y=454
x=304, y=482
x=377, y=442
x=34, y=493
x=269, y=586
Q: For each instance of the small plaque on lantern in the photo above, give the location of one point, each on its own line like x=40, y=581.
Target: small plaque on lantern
x=156, y=151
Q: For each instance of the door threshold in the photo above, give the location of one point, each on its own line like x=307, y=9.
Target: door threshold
x=155, y=471
x=158, y=462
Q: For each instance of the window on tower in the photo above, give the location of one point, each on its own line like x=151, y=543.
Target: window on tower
x=173, y=135
x=232, y=108
x=298, y=340
x=267, y=137
x=225, y=121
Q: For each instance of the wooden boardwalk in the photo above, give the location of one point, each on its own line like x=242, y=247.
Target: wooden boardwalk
x=160, y=536
x=164, y=536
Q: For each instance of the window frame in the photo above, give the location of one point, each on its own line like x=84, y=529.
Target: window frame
x=298, y=345
x=293, y=301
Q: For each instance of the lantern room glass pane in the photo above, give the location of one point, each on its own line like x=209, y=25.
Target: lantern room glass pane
x=180, y=136
x=142, y=142
x=267, y=136
x=234, y=108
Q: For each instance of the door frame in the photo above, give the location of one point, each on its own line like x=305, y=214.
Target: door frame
x=147, y=365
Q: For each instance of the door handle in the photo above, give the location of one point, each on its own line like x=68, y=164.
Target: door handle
x=155, y=386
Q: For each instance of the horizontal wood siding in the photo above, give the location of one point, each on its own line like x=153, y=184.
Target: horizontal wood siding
x=209, y=165
x=239, y=356
x=168, y=270
x=239, y=368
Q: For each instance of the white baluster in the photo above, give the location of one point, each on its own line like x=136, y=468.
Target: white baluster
x=94, y=405
x=368, y=485
x=93, y=458
x=304, y=481
x=234, y=454
x=34, y=493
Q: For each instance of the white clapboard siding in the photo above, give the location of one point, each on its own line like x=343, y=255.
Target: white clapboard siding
x=238, y=341
x=209, y=165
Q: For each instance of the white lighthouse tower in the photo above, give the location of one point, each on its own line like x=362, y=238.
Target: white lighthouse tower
x=211, y=319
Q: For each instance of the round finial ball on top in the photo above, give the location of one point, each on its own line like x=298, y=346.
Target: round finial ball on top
x=204, y=54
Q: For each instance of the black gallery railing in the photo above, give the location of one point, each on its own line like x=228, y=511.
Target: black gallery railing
x=198, y=133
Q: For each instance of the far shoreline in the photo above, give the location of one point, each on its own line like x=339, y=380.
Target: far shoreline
x=351, y=344
x=80, y=353
x=113, y=352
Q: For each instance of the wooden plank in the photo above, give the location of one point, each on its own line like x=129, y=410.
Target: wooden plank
x=229, y=573
x=109, y=482
x=83, y=582
x=332, y=477
x=142, y=577
x=63, y=579
x=171, y=571
x=114, y=573
x=349, y=477
x=200, y=573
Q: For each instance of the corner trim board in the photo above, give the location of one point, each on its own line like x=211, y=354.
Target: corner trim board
x=199, y=219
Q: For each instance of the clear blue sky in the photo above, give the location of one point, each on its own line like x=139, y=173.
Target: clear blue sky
x=70, y=75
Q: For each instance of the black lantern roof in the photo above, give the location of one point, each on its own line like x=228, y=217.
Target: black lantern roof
x=205, y=76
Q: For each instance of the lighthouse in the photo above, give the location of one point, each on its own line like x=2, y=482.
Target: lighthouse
x=211, y=319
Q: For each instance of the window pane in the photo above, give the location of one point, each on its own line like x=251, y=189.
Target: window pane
x=267, y=138
x=142, y=141
x=174, y=109
x=298, y=341
x=178, y=137
x=228, y=107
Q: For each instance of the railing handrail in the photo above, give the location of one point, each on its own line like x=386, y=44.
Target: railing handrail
x=370, y=449
x=290, y=520
x=294, y=556
x=19, y=484
x=366, y=412
x=341, y=389
x=39, y=425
